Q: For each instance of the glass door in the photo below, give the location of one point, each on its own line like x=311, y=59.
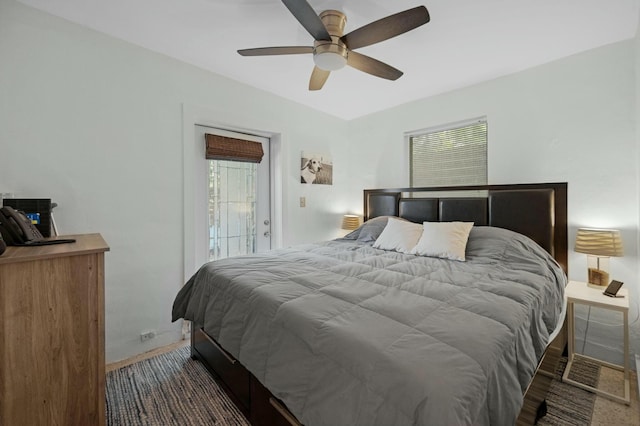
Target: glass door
x=238, y=202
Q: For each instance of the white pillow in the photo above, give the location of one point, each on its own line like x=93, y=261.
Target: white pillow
x=399, y=235
x=447, y=240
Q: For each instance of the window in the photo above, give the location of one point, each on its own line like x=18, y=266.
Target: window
x=232, y=208
x=452, y=155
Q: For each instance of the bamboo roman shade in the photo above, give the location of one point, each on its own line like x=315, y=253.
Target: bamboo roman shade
x=232, y=149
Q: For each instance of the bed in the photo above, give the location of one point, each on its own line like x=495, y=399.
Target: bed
x=349, y=332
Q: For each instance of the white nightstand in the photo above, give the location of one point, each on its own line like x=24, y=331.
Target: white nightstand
x=579, y=292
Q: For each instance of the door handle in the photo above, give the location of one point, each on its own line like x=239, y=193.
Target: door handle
x=267, y=233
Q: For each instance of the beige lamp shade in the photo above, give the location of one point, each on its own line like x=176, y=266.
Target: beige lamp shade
x=599, y=242
x=598, y=245
x=350, y=221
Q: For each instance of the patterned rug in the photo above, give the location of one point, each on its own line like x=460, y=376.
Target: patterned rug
x=173, y=389
x=168, y=389
x=567, y=404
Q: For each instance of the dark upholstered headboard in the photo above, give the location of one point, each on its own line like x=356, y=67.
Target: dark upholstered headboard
x=537, y=210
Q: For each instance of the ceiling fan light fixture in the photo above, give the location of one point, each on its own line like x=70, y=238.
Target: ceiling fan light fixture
x=330, y=56
x=329, y=61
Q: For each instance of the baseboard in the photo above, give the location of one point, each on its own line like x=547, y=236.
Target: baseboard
x=146, y=355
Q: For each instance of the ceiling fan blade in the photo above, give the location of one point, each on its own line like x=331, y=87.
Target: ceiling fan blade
x=386, y=28
x=283, y=50
x=309, y=19
x=318, y=78
x=373, y=66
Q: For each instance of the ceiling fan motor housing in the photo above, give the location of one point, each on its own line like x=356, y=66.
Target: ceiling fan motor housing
x=331, y=55
x=334, y=21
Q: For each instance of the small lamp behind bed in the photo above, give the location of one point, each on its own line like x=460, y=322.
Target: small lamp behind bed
x=598, y=245
x=350, y=222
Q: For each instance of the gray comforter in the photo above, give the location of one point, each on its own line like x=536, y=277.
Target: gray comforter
x=346, y=334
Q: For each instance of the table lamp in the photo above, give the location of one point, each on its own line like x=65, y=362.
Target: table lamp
x=350, y=222
x=598, y=245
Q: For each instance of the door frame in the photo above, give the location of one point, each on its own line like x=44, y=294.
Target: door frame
x=193, y=116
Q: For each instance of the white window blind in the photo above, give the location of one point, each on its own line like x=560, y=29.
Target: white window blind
x=454, y=155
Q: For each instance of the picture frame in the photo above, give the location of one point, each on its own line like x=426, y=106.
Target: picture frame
x=316, y=169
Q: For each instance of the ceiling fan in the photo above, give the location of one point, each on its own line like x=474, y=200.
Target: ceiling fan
x=332, y=50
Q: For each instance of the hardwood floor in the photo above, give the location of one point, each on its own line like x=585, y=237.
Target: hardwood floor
x=605, y=412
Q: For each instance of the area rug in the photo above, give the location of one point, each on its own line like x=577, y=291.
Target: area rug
x=173, y=389
x=567, y=404
x=168, y=389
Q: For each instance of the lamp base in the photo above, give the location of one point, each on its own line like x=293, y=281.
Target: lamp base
x=598, y=278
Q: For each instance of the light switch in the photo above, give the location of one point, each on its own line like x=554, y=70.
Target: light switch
x=303, y=202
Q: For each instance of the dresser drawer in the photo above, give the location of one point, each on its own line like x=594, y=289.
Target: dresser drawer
x=233, y=374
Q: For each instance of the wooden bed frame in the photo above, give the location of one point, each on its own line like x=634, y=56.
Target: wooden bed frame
x=538, y=211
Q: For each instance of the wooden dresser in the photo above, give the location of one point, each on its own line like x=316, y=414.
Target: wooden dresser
x=52, y=333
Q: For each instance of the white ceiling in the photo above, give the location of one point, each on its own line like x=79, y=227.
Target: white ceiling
x=466, y=42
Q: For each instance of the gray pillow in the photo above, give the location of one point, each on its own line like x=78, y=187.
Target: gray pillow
x=371, y=229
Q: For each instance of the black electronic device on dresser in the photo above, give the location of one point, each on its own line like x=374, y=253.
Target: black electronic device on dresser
x=18, y=230
x=37, y=209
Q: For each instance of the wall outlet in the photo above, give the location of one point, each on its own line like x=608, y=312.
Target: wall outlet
x=147, y=335
x=303, y=202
